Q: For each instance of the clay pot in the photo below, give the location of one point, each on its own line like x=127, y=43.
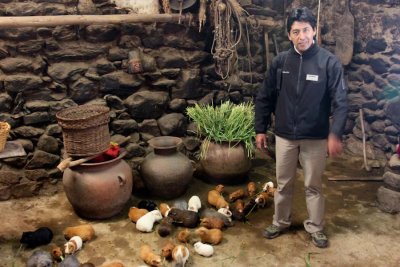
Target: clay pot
x=166, y=172
x=225, y=163
x=99, y=190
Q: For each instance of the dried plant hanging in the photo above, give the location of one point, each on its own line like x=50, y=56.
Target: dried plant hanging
x=166, y=6
x=227, y=16
x=202, y=14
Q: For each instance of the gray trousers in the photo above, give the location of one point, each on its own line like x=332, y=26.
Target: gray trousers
x=312, y=157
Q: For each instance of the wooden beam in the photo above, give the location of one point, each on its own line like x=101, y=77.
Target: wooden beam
x=355, y=178
x=51, y=21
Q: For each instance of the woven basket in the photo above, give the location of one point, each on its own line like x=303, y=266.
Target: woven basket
x=4, y=130
x=85, y=129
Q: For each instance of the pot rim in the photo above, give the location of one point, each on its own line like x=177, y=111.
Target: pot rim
x=165, y=142
x=120, y=156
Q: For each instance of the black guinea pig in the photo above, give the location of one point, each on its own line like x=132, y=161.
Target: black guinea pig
x=147, y=204
x=41, y=236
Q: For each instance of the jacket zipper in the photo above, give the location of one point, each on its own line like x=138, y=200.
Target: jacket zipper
x=297, y=96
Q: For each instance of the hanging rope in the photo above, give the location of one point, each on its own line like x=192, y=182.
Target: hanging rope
x=225, y=38
x=318, y=31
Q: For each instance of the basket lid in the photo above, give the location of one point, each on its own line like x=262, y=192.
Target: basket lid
x=176, y=4
x=82, y=112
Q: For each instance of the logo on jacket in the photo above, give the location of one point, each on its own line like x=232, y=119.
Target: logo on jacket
x=311, y=77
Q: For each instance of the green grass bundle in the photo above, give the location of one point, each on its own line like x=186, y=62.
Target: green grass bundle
x=233, y=123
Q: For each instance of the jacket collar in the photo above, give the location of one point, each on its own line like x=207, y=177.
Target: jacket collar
x=308, y=53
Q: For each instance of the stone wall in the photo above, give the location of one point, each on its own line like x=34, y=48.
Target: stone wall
x=44, y=70
x=374, y=75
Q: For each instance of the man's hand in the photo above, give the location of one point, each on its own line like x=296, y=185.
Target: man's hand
x=335, y=146
x=261, y=141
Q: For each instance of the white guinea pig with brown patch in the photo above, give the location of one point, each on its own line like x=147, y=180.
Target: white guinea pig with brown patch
x=180, y=255
x=73, y=245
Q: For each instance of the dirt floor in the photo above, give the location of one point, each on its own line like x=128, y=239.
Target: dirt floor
x=360, y=234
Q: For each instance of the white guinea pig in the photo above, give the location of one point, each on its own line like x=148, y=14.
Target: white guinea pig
x=202, y=249
x=146, y=222
x=194, y=203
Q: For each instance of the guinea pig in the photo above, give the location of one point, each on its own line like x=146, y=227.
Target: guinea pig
x=147, y=204
x=215, y=214
x=202, y=249
x=186, y=218
x=85, y=231
x=40, y=258
x=212, y=222
x=184, y=236
x=165, y=228
x=215, y=199
x=166, y=250
x=113, y=264
x=180, y=255
x=238, y=194
x=194, y=203
x=41, y=236
x=251, y=189
x=149, y=257
x=57, y=253
x=70, y=261
x=73, y=245
x=211, y=236
x=164, y=209
x=135, y=213
x=146, y=222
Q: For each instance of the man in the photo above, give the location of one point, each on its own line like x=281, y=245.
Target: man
x=301, y=88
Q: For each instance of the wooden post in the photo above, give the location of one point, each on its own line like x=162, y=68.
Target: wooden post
x=275, y=43
x=366, y=166
x=51, y=21
x=266, y=44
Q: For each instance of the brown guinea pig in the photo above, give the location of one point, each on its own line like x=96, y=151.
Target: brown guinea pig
x=210, y=236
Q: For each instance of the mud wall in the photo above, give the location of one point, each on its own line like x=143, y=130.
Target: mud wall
x=44, y=70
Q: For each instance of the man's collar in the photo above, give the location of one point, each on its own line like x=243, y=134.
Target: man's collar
x=295, y=49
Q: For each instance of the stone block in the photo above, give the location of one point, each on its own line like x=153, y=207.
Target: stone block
x=392, y=180
x=388, y=200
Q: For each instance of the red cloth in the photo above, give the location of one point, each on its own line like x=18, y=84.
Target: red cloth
x=110, y=154
x=398, y=150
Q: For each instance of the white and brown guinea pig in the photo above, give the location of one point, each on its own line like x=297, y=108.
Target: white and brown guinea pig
x=73, y=245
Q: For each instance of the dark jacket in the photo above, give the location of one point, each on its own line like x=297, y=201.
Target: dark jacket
x=311, y=86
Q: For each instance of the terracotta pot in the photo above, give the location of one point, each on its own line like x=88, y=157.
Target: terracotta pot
x=225, y=163
x=99, y=190
x=166, y=172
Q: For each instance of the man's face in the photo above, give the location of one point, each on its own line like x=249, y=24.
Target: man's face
x=301, y=34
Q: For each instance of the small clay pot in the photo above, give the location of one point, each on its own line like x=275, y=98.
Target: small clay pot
x=166, y=172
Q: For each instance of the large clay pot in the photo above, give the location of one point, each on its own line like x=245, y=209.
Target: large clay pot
x=99, y=190
x=225, y=163
x=166, y=172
